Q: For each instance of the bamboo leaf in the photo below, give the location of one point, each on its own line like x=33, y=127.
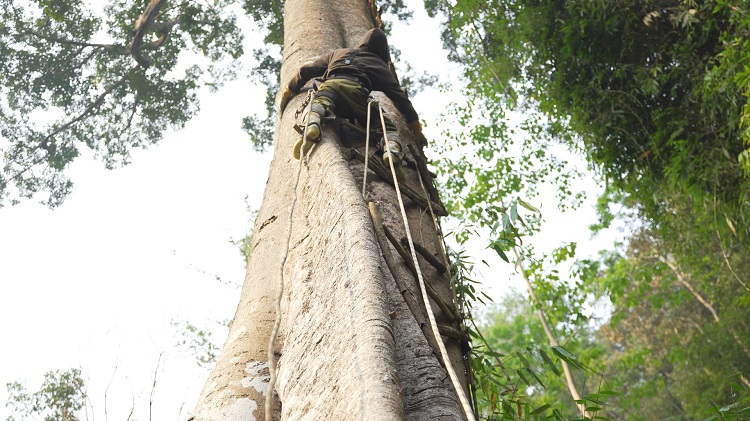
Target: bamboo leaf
x=540, y=409
x=528, y=206
x=549, y=362
x=533, y=374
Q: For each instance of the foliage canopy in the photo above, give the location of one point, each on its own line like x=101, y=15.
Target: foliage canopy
x=68, y=82
x=654, y=92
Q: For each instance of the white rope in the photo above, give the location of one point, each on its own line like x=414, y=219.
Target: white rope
x=277, y=309
x=367, y=149
x=433, y=324
x=444, y=254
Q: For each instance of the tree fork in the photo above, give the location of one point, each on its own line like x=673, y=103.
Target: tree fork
x=143, y=25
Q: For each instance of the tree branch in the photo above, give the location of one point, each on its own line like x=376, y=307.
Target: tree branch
x=145, y=23
x=681, y=278
x=44, y=144
x=57, y=40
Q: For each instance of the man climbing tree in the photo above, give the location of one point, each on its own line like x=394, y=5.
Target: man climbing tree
x=349, y=75
x=345, y=341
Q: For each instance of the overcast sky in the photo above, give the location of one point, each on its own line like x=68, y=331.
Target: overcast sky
x=98, y=282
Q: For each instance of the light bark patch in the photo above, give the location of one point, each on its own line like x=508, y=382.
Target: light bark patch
x=240, y=409
x=236, y=334
x=258, y=378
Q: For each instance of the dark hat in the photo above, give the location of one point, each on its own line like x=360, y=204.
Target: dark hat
x=376, y=42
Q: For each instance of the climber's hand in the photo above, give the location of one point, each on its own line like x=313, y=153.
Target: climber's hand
x=285, y=99
x=416, y=128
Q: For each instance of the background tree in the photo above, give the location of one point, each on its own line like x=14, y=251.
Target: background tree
x=61, y=397
x=654, y=95
x=677, y=337
x=511, y=328
x=70, y=83
x=643, y=87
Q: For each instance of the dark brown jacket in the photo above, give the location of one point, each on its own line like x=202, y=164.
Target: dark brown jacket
x=368, y=63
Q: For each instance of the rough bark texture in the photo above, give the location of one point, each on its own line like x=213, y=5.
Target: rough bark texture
x=349, y=347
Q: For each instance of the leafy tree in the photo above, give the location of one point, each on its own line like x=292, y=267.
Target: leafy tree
x=75, y=79
x=61, y=397
x=527, y=370
x=646, y=89
x=654, y=94
x=678, y=334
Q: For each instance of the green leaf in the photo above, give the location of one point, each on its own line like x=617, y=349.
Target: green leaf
x=494, y=354
x=540, y=409
x=533, y=374
x=524, y=361
x=525, y=380
x=566, y=356
x=528, y=206
x=557, y=414
x=495, y=246
x=549, y=362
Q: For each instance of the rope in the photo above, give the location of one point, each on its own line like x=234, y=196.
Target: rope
x=434, y=221
x=439, y=229
x=367, y=148
x=277, y=308
x=433, y=324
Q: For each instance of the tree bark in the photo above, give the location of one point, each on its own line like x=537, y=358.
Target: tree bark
x=348, y=346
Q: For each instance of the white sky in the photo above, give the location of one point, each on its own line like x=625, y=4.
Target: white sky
x=95, y=283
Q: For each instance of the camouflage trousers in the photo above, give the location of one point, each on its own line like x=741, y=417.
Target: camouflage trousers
x=348, y=99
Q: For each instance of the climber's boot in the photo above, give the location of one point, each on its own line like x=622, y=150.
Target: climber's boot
x=393, y=154
x=313, y=121
x=299, y=151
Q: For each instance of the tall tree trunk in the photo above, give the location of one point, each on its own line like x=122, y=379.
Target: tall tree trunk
x=348, y=346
